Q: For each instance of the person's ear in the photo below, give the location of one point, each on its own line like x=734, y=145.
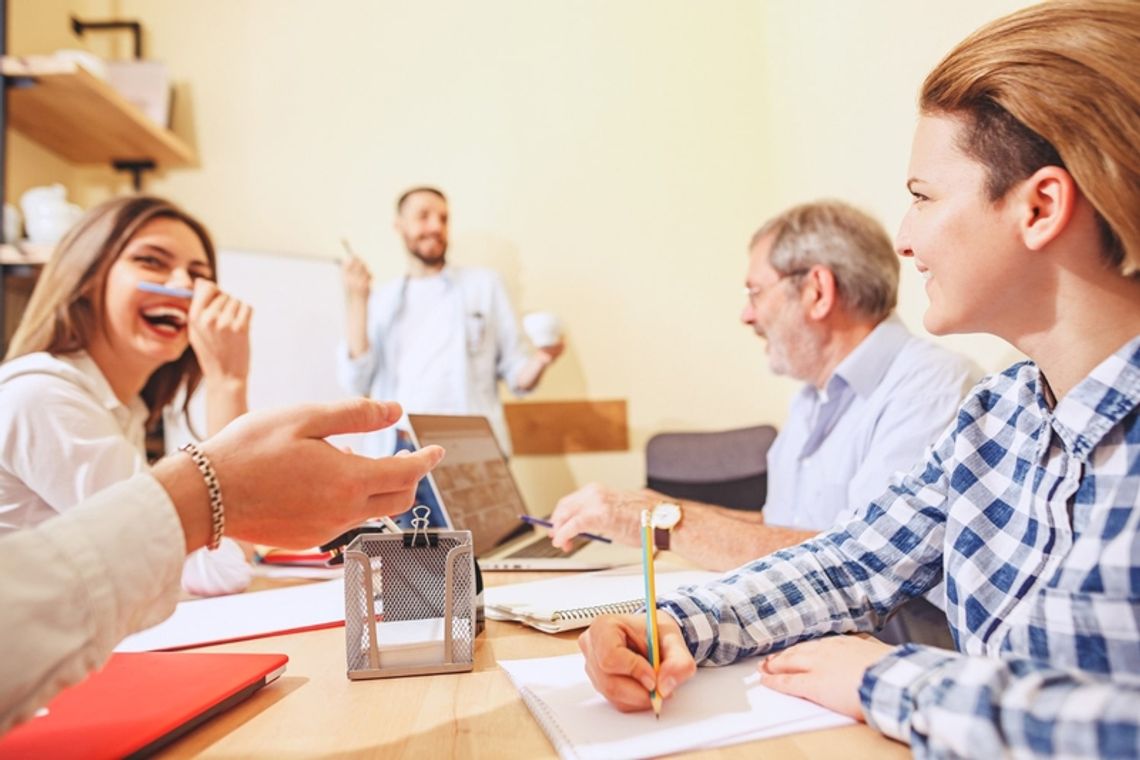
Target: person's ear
x=1046, y=203
x=819, y=292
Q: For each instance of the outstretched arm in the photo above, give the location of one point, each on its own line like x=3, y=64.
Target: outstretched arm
x=357, y=286
x=111, y=566
x=711, y=536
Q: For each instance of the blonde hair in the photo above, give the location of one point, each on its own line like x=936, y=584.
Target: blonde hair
x=1055, y=84
x=66, y=307
x=848, y=242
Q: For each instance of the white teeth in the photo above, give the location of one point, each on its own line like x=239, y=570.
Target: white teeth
x=168, y=313
x=925, y=275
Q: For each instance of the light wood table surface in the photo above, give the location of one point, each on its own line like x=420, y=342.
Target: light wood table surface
x=313, y=710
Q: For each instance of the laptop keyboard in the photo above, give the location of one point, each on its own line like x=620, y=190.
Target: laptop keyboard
x=545, y=550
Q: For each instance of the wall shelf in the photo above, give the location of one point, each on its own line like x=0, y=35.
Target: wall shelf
x=78, y=116
x=24, y=253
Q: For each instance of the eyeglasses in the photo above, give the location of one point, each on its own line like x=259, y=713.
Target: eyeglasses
x=756, y=294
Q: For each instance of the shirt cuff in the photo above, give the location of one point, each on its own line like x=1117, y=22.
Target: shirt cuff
x=889, y=690
x=694, y=624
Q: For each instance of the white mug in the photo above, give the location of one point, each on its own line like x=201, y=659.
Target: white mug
x=544, y=328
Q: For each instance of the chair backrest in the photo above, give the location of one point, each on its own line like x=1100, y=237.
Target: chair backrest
x=728, y=467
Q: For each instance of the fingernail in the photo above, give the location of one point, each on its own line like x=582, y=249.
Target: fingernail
x=648, y=683
x=666, y=686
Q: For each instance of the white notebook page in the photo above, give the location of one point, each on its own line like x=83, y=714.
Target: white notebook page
x=717, y=707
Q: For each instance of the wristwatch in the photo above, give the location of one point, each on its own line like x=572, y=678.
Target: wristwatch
x=665, y=517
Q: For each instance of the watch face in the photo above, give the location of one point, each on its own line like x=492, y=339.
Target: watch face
x=666, y=515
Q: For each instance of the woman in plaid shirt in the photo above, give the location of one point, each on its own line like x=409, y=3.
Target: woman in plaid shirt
x=1025, y=223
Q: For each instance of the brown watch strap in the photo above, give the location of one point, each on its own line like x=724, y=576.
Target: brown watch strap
x=661, y=538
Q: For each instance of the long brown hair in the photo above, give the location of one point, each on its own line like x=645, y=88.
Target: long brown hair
x=66, y=307
x=1056, y=84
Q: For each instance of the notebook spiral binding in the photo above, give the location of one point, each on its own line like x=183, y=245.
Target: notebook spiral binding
x=548, y=723
x=587, y=613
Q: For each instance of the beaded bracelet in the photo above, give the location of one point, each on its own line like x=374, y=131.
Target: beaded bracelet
x=217, y=513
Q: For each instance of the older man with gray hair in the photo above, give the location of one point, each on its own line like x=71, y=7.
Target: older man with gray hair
x=821, y=289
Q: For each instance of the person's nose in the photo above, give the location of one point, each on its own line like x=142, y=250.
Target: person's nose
x=180, y=278
x=902, y=240
x=748, y=314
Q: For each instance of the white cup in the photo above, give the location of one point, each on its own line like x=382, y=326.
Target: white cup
x=12, y=223
x=544, y=328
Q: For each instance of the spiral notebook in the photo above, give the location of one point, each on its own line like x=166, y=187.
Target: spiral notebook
x=568, y=602
x=715, y=708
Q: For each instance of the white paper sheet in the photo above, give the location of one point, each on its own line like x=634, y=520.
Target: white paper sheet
x=243, y=616
x=717, y=707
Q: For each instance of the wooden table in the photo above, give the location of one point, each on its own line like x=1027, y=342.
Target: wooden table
x=314, y=710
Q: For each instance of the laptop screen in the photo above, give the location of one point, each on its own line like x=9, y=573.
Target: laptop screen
x=474, y=484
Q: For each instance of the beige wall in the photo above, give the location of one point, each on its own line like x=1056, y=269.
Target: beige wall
x=611, y=158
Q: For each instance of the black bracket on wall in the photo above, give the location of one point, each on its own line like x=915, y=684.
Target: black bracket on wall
x=136, y=168
x=79, y=27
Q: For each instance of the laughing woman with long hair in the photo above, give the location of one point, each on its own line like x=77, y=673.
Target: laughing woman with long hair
x=97, y=359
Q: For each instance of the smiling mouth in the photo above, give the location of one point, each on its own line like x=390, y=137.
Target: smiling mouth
x=165, y=319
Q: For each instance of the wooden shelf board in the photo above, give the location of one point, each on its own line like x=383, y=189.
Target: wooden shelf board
x=25, y=253
x=83, y=119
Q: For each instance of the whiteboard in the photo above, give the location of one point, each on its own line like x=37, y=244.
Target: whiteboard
x=298, y=322
x=297, y=325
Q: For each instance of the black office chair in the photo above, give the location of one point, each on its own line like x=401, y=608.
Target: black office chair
x=728, y=467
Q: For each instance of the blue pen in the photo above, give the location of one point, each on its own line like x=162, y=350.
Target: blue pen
x=548, y=524
x=162, y=290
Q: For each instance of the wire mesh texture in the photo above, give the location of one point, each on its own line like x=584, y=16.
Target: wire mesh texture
x=389, y=581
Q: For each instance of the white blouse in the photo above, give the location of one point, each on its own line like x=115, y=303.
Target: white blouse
x=64, y=435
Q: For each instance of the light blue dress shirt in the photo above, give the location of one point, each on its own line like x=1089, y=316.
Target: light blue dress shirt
x=487, y=347
x=885, y=403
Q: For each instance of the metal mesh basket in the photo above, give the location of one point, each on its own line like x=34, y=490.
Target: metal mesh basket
x=423, y=597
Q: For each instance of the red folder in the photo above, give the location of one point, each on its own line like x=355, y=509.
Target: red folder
x=139, y=703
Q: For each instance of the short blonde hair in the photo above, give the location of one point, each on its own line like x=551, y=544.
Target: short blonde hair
x=66, y=307
x=848, y=242
x=1055, y=84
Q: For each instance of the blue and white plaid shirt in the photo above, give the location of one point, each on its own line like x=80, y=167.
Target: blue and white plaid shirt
x=1032, y=515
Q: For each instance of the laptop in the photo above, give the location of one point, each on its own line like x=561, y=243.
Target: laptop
x=141, y=702
x=474, y=490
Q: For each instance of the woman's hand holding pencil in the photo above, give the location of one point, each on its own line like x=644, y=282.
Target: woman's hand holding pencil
x=616, y=649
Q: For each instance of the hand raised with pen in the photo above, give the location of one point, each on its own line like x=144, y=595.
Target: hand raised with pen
x=616, y=663
x=357, y=279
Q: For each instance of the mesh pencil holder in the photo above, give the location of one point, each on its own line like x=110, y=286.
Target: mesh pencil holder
x=409, y=604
